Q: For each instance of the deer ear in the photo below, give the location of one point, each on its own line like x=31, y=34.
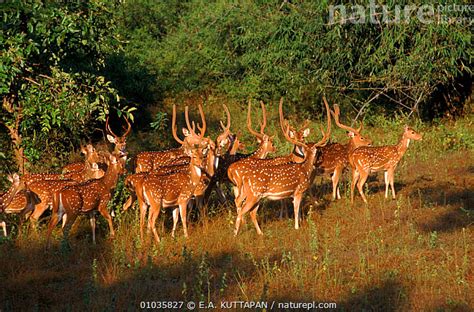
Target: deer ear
x=259, y=141
x=111, y=138
x=83, y=150
x=306, y=132
x=186, y=132
x=10, y=178
x=291, y=134
x=95, y=166
x=350, y=134
x=406, y=127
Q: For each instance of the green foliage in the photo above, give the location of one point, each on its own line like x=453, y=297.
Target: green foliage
x=159, y=122
x=268, y=49
x=50, y=71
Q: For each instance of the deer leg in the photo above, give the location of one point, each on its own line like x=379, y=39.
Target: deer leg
x=93, y=225
x=143, y=208
x=37, y=213
x=355, y=178
x=105, y=213
x=54, y=218
x=253, y=215
x=131, y=199
x=360, y=184
x=296, y=208
x=335, y=183
x=4, y=227
x=220, y=194
x=155, y=209
x=52, y=224
x=67, y=227
x=283, y=210
x=391, y=180
x=249, y=204
x=387, y=182
x=182, y=214
x=236, y=191
x=175, y=220
x=191, y=203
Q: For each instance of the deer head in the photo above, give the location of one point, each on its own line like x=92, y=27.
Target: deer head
x=263, y=139
x=292, y=133
x=356, y=139
x=224, y=139
x=119, y=141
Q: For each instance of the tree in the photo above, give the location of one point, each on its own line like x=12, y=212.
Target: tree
x=50, y=81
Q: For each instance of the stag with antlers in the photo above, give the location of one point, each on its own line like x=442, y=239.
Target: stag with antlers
x=151, y=161
x=275, y=182
x=335, y=156
x=246, y=167
x=85, y=198
x=92, y=156
x=265, y=147
x=174, y=189
x=367, y=159
x=148, y=161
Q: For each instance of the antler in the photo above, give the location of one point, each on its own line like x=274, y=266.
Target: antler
x=107, y=127
x=173, y=126
x=264, y=122
x=336, y=113
x=191, y=126
x=326, y=135
x=127, y=131
x=249, y=123
x=227, y=127
x=283, y=122
x=129, y=127
x=203, y=119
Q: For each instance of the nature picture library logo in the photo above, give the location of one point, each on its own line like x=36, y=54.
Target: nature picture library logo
x=383, y=14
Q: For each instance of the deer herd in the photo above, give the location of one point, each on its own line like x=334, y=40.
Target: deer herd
x=183, y=177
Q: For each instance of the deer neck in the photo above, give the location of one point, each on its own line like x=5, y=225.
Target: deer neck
x=234, y=148
x=350, y=146
x=7, y=198
x=260, y=152
x=111, y=176
x=195, y=174
x=298, y=151
x=402, y=146
x=308, y=164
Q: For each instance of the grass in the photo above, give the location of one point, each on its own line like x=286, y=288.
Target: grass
x=413, y=253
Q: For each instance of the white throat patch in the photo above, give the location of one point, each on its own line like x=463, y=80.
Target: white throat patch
x=198, y=171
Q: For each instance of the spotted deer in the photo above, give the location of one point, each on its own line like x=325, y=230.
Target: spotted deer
x=101, y=158
x=275, y=182
x=244, y=168
x=7, y=198
x=85, y=198
x=45, y=189
x=265, y=147
x=120, y=142
x=367, y=159
x=91, y=156
x=151, y=161
x=335, y=156
x=147, y=161
x=174, y=189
